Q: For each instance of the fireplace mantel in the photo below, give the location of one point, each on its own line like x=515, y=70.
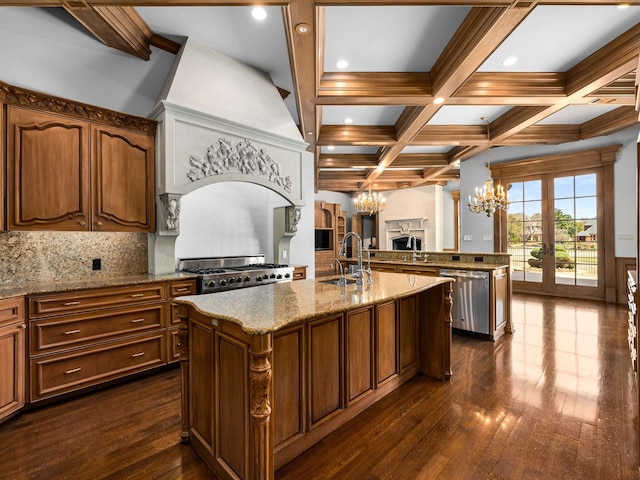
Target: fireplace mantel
x=406, y=227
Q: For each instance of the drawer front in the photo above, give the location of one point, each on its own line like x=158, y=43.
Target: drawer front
x=57, y=304
x=300, y=273
x=181, y=288
x=11, y=311
x=57, y=374
x=80, y=329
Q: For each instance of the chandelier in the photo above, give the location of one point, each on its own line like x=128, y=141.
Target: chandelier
x=369, y=203
x=489, y=198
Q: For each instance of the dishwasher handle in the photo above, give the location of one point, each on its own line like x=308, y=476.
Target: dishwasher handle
x=464, y=274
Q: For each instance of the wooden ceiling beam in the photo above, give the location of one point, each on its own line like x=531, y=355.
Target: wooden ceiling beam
x=615, y=60
x=347, y=160
x=302, y=57
x=481, y=32
x=618, y=119
x=356, y=135
x=117, y=27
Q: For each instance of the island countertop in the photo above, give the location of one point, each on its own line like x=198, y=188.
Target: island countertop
x=272, y=307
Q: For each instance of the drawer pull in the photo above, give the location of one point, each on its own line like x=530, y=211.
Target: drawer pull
x=71, y=304
x=71, y=332
x=137, y=320
x=139, y=354
x=137, y=295
x=185, y=289
x=73, y=370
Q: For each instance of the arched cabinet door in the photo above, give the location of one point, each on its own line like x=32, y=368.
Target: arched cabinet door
x=123, y=187
x=48, y=177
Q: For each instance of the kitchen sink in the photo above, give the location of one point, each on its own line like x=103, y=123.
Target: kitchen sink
x=336, y=281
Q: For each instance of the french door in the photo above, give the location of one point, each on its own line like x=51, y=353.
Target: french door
x=552, y=233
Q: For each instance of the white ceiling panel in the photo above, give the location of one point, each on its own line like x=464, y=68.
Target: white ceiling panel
x=555, y=38
x=388, y=38
x=361, y=115
x=467, y=114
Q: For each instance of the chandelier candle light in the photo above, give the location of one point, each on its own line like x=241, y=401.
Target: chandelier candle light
x=369, y=202
x=489, y=198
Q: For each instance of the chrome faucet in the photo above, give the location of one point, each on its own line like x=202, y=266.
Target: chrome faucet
x=343, y=280
x=368, y=269
x=343, y=249
x=414, y=246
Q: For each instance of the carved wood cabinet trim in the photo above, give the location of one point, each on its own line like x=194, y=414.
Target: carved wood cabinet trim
x=12, y=95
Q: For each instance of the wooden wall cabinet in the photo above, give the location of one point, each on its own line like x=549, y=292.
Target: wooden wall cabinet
x=330, y=225
x=12, y=356
x=69, y=174
x=3, y=168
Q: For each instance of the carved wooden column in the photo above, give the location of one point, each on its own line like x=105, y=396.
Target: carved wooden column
x=183, y=336
x=262, y=466
x=447, y=288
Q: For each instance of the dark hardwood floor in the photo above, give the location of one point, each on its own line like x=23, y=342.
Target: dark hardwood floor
x=556, y=400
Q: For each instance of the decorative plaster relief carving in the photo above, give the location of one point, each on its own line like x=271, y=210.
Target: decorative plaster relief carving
x=223, y=157
x=170, y=214
x=293, y=217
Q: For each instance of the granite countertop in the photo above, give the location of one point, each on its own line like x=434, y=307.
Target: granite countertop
x=438, y=264
x=274, y=306
x=61, y=286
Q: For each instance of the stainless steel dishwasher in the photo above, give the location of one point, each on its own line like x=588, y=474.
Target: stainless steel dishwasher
x=470, y=300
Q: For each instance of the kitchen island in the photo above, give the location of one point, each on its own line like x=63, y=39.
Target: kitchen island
x=269, y=371
x=493, y=304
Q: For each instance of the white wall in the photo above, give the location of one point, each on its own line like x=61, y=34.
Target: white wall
x=52, y=53
x=473, y=172
x=419, y=202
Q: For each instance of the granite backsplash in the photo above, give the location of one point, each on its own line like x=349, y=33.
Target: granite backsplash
x=46, y=256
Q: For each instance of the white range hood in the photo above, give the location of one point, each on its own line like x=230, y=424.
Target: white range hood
x=220, y=120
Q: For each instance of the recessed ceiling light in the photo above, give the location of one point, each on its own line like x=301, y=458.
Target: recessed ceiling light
x=622, y=6
x=438, y=100
x=348, y=120
x=259, y=13
x=303, y=28
x=342, y=64
x=309, y=132
x=507, y=62
x=331, y=147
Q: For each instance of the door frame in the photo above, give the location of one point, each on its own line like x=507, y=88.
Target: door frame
x=596, y=159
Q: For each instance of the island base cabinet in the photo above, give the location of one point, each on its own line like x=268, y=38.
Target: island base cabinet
x=254, y=401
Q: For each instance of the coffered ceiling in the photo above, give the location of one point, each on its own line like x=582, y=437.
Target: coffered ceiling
x=377, y=123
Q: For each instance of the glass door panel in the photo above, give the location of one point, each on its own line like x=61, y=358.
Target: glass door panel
x=575, y=206
x=524, y=230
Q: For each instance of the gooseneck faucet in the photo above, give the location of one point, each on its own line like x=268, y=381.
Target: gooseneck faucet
x=343, y=280
x=414, y=246
x=343, y=249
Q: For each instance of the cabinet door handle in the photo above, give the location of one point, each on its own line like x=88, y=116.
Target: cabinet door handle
x=99, y=223
x=73, y=370
x=500, y=275
x=137, y=295
x=71, y=304
x=137, y=320
x=71, y=332
x=24, y=326
x=82, y=223
x=139, y=354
